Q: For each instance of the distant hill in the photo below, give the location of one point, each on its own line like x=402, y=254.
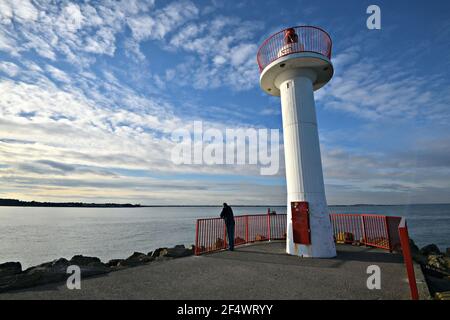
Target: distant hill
x=19, y=203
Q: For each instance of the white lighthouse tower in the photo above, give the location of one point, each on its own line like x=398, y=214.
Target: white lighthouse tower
x=294, y=63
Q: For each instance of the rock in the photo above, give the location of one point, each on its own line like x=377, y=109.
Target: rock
x=44, y=273
x=10, y=268
x=430, y=249
x=176, y=252
x=114, y=262
x=56, y=266
x=81, y=260
x=179, y=246
x=415, y=252
x=49, y=272
x=137, y=258
x=150, y=253
x=219, y=244
x=447, y=252
x=260, y=237
x=439, y=262
x=34, y=277
x=156, y=253
x=414, y=248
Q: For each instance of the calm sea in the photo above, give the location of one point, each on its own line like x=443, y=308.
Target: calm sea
x=36, y=235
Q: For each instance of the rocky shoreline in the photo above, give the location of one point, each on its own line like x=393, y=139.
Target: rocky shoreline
x=435, y=267
x=12, y=277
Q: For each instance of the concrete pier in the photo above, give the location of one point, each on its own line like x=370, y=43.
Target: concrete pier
x=256, y=271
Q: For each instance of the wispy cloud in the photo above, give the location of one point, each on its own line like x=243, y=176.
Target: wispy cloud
x=375, y=88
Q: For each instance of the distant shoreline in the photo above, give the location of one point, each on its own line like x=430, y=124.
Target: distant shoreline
x=47, y=204
x=19, y=203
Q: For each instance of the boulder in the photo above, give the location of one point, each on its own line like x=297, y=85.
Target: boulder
x=10, y=268
x=439, y=262
x=156, y=253
x=430, y=249
x=81, y=260
x=414, y=248
x=44, y=273
x=179, y=246
x=260, y=237
x=89, y=266
x=176, y=252
x=447, y=252
x=219, y=244
x=56, y=266
x=32, y=278
x=49, y=272
x=137, y=258
x=114, y=262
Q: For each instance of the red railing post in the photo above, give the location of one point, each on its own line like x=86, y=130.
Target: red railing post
x=246, y=229
x=407, y=258
x=196, y=250
x=388, y=233
x=268, y=228
x=224, y=236
x=363, y=226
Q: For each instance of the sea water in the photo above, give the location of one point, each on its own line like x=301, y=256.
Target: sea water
x=33, y=235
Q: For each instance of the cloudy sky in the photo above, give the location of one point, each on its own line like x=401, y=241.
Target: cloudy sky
x=90, y=92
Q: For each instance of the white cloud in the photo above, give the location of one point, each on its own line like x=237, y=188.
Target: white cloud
x=58, y=74
x=69, y=140
x=223, y=53
x=375, y=89
x=11, y=69
x=22, y=10
x=66, y=28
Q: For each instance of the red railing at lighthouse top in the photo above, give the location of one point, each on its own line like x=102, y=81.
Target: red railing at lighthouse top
x=307, y=39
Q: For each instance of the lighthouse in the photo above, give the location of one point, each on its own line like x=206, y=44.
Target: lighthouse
x=294, y=63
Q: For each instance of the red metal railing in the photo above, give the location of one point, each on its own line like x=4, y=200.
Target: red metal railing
x=369, y=229
x=385, y=232
x=211, y=233
x=310, y=39
x=406, y=250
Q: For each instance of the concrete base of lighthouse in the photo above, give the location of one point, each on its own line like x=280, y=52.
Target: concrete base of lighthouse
x=304, y=175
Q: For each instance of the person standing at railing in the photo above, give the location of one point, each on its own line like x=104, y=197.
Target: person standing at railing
x=290, y=36
x=291, y=43
x=228, y=217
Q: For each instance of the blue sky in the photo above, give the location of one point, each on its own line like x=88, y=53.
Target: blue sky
x=91, y=90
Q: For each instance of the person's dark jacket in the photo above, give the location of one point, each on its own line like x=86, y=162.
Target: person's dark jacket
x=227, y=215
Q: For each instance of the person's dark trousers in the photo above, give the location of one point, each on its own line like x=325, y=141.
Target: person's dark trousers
x=230, y=232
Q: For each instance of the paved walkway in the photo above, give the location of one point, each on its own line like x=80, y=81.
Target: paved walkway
x=259, y=271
